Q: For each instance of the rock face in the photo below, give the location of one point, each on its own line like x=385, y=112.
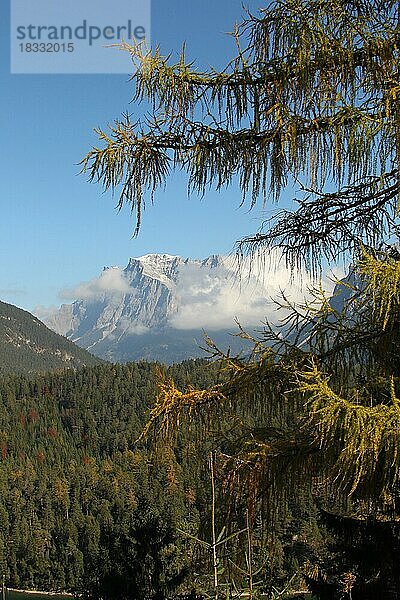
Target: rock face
x=135, y=313
x=131, y=320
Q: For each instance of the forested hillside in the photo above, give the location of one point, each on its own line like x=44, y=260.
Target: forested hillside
x=82, y=507
x=86, y=508
x=27, y=345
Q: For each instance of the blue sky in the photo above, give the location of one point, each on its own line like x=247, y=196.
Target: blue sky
x=56, y=229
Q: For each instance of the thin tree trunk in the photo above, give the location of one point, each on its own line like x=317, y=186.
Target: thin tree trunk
x=249, y=556
x=214, y=538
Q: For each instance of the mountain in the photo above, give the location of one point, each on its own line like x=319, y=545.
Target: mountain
x=27, y=345
x=159, y=306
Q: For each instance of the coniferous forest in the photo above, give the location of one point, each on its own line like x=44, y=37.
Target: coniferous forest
x=87, y=508
x=275, y=473
x=83, y=508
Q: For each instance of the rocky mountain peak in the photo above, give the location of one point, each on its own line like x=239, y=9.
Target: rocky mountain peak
x=213, y=261
x=157, y=307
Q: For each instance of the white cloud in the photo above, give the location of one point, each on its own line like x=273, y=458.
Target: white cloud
x=213, y=298
x=110, y=282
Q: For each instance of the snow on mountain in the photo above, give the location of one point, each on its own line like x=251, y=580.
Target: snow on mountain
x=159, y=305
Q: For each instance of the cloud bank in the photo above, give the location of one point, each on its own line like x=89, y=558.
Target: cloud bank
x=110, y=283
x=213, y=298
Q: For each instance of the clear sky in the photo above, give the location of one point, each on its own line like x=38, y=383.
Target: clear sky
x=56, y=229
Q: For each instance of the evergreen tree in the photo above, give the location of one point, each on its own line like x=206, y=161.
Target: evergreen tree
x=311, y=97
